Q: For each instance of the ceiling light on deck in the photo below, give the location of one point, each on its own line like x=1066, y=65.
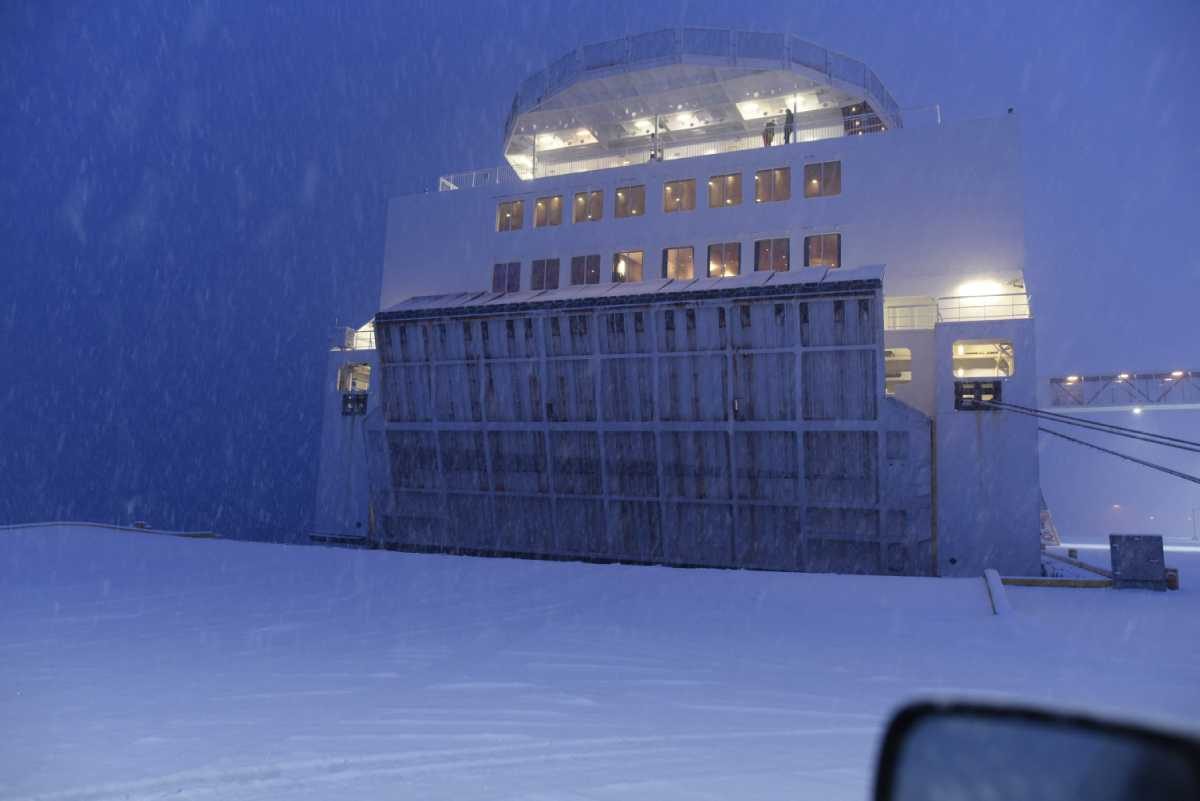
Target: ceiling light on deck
x=1137, y=409
x=1177, y=374
x=1071, y=379
x=1123, y=377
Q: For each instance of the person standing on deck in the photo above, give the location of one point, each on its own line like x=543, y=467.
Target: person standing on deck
x=789, y=126
x=769, y=133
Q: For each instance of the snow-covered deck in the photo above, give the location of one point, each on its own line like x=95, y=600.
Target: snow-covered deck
x=139, y=666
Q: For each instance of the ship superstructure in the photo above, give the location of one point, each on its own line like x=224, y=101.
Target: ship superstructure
x=725, y=304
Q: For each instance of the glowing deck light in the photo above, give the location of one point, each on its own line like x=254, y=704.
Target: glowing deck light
x=1137, y=409
x=1071, y=379
x=1123, y=377
x=1177, y=374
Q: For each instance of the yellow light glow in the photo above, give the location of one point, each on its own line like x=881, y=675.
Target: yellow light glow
x=962, y=349
x=979, y=288
x=1071, y=379
x=1123, y=377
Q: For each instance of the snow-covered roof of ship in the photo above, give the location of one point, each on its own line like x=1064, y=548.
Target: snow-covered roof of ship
x=808, y=281
x=686, y=86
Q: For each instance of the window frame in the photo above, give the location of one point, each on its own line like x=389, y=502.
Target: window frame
x=590, y=266
x=506, y=274
x=725, y=248
x=506, y=212
x=779, y=251
x=684, y=190
x=724, y=200
x=826, y=176
x=666, y=261
x=592, y=209
x=641, y=266
x=545, y=271
x=628, y=194
x=767, y=185
x=808, y=250
x=545, y=207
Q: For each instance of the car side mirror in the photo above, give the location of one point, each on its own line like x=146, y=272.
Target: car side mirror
x=967, y=752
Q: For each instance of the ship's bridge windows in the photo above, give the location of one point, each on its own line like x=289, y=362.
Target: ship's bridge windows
x=354, y=377
x=627, y=266
x=677, y=263
x=544, y=274
x=725, y=190
x=772, y=254
x=724, y=259
x=897, y=368
x=589, y=206
x=585, y=269
x=772, y=185
x=506, y=277
x=823, y=250
x=679, y=195
x=510, y=215
x=547, y=211
x=631, y=201
x=983, y=358
x=823, y=179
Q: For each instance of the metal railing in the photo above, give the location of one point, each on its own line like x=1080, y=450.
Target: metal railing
x=669, y=151
x=925, y=315
x=1013, y=306
x=672, y=45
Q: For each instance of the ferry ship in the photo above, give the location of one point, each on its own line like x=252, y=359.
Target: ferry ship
x=725, y=303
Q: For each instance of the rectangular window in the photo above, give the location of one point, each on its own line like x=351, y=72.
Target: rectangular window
x=772, y=185
x=679, y=195
x=823, y=250
x=545, y=274
x=724, y=260
x=772, y=254
x=506, y=277
x=510, y=215
x=627, y=266
x=589, y=206
x=823, y=180
x=631, y=201
x=677, y=263
x=547, y=211
x=897, y=367
x=975, y=358
x=725, y=190
x=585, y=269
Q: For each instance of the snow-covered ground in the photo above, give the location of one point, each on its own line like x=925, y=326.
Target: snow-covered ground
x=141, y=666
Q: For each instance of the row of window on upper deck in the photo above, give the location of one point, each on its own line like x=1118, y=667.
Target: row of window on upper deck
x=821, y=179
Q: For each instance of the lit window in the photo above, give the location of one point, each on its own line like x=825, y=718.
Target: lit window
x=627, y=266
x=585, y=269
x=510, y=215
x=897, y=367
x=977, y=358
x=823, y=250
x=506, y=277
x=354, y=377
x=631, y=201
x=677, y=263
x=547, y=211
x=772, y=254
x=589, y=206
x=724, y=260
x=679, y=195
x=771, y=185
x=725, y=190
x=823, y=180
x=545, y=274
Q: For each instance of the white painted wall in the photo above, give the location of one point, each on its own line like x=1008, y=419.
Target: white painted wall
x=342, y=502
x=937, y=205
x=987, y=463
